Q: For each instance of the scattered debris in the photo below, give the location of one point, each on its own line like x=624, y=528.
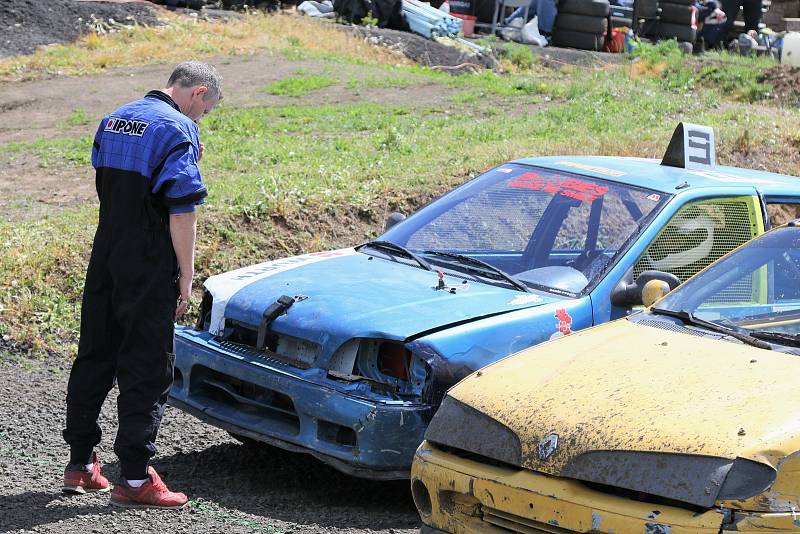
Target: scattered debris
x=430, y=22
x=316, y=9
x=430, y=53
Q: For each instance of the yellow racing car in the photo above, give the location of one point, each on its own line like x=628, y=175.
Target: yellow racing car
x=683, y=418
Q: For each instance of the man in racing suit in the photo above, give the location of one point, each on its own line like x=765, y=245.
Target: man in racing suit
x=138, y=281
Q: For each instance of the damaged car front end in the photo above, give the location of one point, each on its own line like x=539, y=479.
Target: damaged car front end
x=697, y=430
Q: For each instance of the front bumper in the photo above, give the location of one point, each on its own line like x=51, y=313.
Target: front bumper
x=459, y=495
x=343, y=424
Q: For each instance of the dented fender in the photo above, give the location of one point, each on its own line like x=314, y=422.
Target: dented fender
x=454, y=353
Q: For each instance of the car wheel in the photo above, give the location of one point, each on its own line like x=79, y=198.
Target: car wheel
x=581, y=23
x=592, y=8
x=683, y=33
x=676, y=13
x=580, y=40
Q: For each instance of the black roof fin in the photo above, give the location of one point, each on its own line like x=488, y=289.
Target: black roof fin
x=691, y=147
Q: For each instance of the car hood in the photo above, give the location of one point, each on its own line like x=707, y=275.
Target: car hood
x=346, y=294
x=625, y=386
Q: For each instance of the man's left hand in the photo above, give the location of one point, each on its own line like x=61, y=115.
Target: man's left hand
x=185, y=289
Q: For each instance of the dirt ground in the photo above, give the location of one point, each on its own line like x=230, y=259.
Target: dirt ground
x=234, y=488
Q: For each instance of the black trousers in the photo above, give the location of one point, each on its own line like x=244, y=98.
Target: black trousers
x=751, y=11
x=126, y=332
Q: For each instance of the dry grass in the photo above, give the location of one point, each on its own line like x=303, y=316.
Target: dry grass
x=179, y=36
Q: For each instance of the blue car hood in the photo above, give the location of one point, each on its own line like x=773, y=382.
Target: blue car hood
x=349, y=294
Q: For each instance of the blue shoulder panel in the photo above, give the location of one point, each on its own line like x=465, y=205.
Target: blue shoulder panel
x=151, y=138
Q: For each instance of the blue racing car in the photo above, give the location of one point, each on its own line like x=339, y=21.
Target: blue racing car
x=347, y=354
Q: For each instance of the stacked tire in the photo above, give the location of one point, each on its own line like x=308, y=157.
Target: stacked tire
x=677, y=21
x=581, y=24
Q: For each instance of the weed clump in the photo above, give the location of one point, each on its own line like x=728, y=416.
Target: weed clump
x=736, y=77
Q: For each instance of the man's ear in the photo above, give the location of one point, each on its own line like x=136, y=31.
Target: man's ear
x=201, y=91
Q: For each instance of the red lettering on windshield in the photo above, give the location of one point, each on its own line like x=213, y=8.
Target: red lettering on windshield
x=567, y=187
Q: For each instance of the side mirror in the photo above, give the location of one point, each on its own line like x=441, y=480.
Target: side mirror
x=393, y=219
x=654, y=290
x=628, y=293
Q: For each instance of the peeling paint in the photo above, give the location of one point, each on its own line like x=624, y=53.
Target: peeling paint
x=597, y=519
x=657, y=528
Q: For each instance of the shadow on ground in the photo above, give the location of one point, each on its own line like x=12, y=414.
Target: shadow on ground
x=295, y=488
x=258, y=480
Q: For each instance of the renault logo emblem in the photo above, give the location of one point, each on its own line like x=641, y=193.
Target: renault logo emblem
x=548, y=446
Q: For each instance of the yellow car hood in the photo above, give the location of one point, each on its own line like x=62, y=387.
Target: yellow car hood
x=625, y=386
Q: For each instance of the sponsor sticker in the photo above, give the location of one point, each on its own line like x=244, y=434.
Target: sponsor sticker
x=564, y=323
x=560, y=185
x=591, y=168
x=126, y=126
x=526, y=299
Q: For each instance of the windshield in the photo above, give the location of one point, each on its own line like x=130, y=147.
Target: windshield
x=755, y=288
x=550, y=230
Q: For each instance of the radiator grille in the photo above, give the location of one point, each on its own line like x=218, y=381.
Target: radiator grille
x=513, y=523
x=244, y=350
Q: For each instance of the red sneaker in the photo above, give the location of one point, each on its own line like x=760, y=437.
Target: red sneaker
x=152, y=494
x=78, y=480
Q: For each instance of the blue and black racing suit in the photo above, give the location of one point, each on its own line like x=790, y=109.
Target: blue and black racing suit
x=145, y=156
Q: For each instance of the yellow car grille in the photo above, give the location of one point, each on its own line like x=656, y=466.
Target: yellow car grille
x=514, y=523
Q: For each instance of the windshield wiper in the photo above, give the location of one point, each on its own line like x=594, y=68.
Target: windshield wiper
x=689, y=318
x=778, y=337
x=394, y=247
x=469, y=260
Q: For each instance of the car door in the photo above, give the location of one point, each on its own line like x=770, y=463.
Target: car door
x=698, y=233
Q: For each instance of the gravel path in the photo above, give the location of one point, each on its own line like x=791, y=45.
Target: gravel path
x=233, y=488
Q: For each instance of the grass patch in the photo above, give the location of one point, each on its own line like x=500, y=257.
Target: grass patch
x=181, y=37
x=300, y=84
x=382, y=82
x=78, y=117
x=733, y=76
x=72, y=151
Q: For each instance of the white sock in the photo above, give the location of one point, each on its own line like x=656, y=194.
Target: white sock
x=89, y=467
x=136, y=483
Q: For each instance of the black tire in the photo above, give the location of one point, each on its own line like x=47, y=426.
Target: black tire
x=579, y=40
x=684, y=33
x=592, y=8
x=581, y=23
x=646, y=9
x=676, y=13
